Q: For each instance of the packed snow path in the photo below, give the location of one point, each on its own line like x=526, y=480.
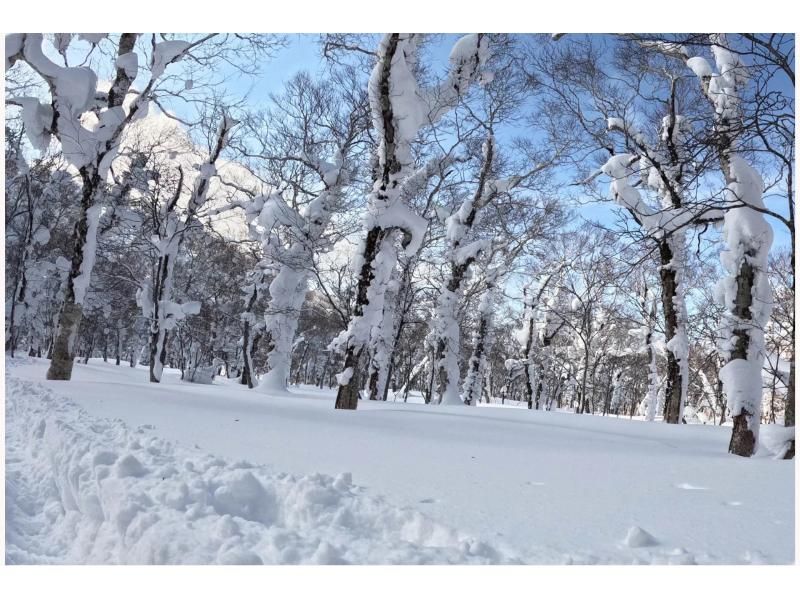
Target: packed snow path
x=86, y=490
x=130, y=481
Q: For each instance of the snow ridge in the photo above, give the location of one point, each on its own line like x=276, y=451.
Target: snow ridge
x=86, y=490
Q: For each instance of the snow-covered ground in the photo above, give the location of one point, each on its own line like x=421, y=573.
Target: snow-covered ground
x=110, y=468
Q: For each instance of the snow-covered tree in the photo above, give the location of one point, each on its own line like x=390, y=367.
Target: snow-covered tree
x=89, y=149
x=529, y=336
x=484, y=337
x=253, y=326
x=89, y=124
x=645, y=335
x=664, y=166
x=170, y=226
x=39, y=197
x=400, y=108
x=745, y=292
x=288, y=289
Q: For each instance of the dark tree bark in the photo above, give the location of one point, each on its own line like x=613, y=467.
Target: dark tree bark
x=477, y=356
x=69, y=320
x=527, y=368
x=674, y=384
x=249, y=344
x=347, y=395
x=743, y=440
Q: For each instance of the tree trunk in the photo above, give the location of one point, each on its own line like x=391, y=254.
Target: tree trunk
x=300, y=364
x=743, y=438
x=347, y=395
x=325, y=370
x=583, y=404
x=248, y=370
x=474, y=378
x=673, y=393
x=69, y=319
x=154, y=335
x=372, y=384
x=158, y=355
x=538, y=399
x=528, y=361
x=390, y=169
x=119, y=347
x=743, y=379
x=788, y=418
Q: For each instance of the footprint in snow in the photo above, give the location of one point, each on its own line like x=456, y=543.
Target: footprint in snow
x=687, y=486
x=428, y=501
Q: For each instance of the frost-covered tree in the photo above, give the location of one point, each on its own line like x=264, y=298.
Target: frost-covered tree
x=494, y=195
x=780, y=333
x=255, y=289
x=496, y=270
x=655, y=165
x=288, y=289
x=762, y=130
x=590, y=271
x=664, y=166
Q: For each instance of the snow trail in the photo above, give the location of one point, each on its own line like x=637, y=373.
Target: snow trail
x=81, y=489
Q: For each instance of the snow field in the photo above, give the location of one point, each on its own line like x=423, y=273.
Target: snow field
x=537, y=487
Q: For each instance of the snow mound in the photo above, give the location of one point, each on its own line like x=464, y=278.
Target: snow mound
x=637, y=538
x=776, y=439
x=81, y=489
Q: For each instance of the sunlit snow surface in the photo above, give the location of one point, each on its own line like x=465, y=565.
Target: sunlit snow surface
x=185, y=473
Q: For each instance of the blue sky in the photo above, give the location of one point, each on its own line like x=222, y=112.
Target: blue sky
x=304, y=53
